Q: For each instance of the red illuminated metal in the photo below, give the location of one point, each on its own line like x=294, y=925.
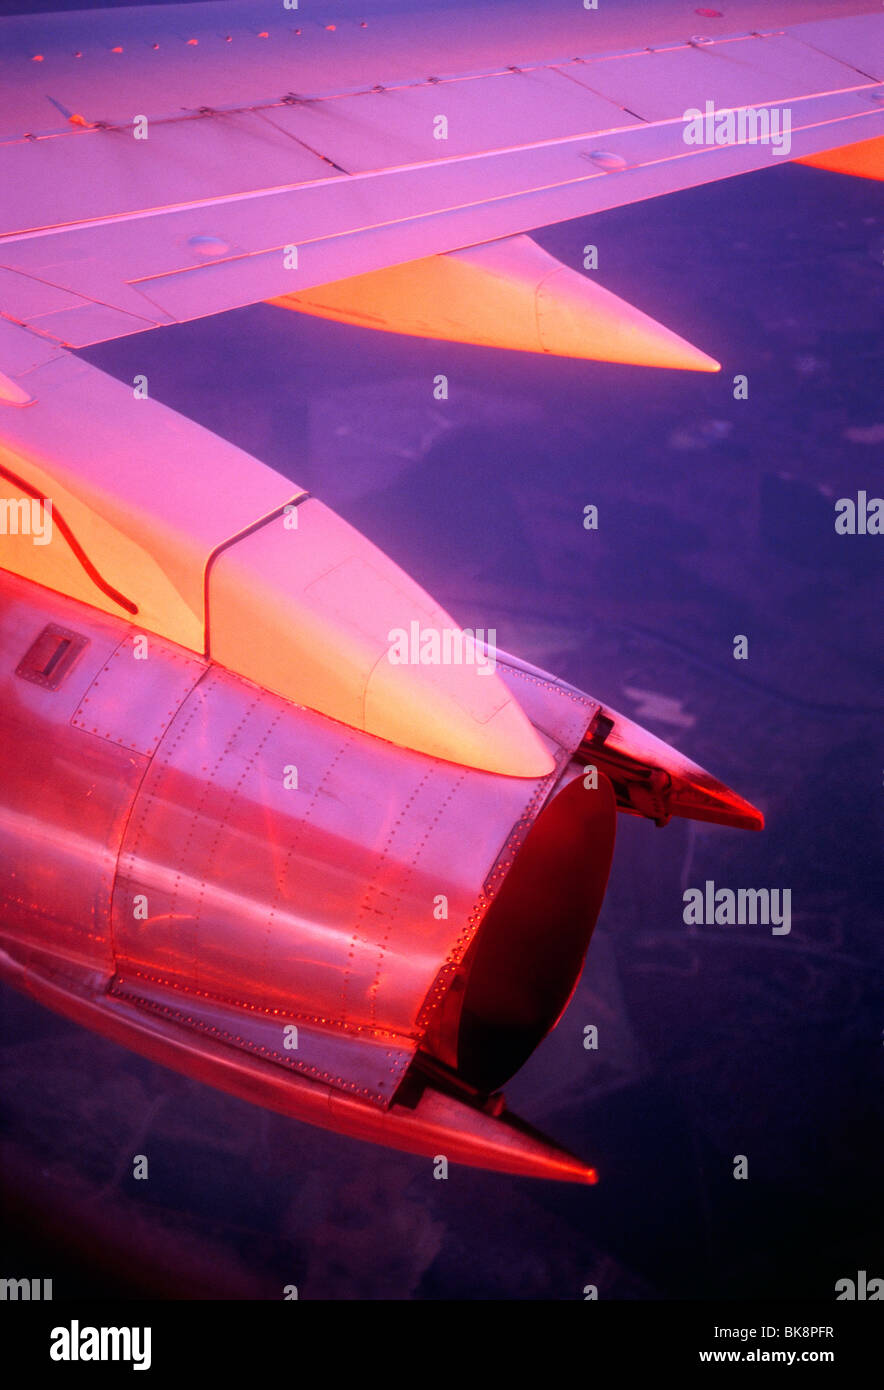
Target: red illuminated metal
x=194, y=901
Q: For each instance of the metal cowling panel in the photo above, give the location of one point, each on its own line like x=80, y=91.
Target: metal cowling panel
x=65, y=791
x=276, y=860
x=368, y=1064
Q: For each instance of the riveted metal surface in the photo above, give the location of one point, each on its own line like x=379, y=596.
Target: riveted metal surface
x=370, y=1064
x=137, y=693
x=64, y=794
x=335, y=900
x=272, y=865
x=560, y=711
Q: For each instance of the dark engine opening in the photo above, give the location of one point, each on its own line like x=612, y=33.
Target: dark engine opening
x=524, y=964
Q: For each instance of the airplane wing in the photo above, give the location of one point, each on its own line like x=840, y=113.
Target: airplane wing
x=164, y=163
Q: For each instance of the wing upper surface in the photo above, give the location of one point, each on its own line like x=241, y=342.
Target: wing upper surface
x=278, y=160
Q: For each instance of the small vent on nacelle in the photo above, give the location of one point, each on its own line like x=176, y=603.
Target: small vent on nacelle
x=49, y=659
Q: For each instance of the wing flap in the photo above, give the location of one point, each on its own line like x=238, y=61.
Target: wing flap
x=88, y=174
x=431, y=122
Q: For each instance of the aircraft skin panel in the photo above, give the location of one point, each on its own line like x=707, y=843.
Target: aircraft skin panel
x=22, y=351
x=321, y=616
x=91, y=445
x=369, y=1063
x=394, y=128
x=133, y=705
x=66, y=795
x=76, y=178
x=855, y=39
x=281, y=874
x=750, y=70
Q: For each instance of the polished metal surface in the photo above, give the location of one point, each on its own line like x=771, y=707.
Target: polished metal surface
x=218, y=850
x=255, y=894
x=65, y=793
x=337, y=900
x=351, y=932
